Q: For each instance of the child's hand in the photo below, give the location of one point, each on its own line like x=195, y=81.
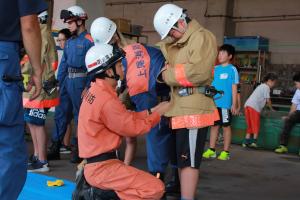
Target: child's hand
x=238, y=110
x=161, y=108
x=284, y=117
x=234, y=110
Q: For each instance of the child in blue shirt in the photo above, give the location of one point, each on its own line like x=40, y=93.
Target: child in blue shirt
x=226, y=78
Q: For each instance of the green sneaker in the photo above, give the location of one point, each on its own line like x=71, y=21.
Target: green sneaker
x=281, y=149
x=209, y=154
x=253, y=145
x=224, y=155
x=245, y=145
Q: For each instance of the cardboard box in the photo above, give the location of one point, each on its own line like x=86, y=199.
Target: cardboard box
x=136, y=29
x=123, y=25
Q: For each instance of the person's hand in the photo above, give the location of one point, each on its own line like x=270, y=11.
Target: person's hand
x=161, y=108
x=238, y=110
x=234, y=110
x=36, y=81
x=284, y=117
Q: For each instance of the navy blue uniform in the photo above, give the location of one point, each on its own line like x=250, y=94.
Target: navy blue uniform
x=72, y=81
x=13, y=155
x=159, y=137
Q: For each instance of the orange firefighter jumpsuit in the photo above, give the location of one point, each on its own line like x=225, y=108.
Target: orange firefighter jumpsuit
x=103, y=121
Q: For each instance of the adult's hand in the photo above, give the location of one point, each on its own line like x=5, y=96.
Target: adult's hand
x=36, y=81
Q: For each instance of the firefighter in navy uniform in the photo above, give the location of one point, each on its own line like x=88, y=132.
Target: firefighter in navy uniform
x=72, y=79
x=16, y=17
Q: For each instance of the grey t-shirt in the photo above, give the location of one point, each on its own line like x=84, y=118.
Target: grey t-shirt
x=258, y=98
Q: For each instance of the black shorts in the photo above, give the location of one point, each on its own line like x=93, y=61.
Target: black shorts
x=225, y=117
x=189, y=145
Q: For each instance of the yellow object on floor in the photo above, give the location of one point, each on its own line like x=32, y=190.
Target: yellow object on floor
x=55, y=183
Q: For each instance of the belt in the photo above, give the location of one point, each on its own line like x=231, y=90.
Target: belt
x=8, y=78
x=9, y=45
x=163, y=98
x=76, y=70
x=209, y=91
x=187, y=91
x=200, y=90
x=103, y=157
x=76, y=75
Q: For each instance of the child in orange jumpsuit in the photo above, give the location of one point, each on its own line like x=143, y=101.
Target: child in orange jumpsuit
x=103, y=121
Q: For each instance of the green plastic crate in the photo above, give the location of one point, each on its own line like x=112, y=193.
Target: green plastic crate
x=270, y=130
x=238, y=129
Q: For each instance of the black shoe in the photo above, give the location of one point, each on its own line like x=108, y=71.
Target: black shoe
x=75, y=158
x=173, y=186
x=75, y=154
x=32, y=159
x=65, y=149
x=84, y=191
x=53, y=153
x=103, y=194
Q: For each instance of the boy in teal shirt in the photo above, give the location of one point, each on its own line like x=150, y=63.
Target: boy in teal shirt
x=226, y=79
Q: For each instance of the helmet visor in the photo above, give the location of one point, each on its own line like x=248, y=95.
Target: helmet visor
x=66, y=15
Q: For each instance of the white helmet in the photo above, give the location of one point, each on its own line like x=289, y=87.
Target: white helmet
x=43, y=14
x=43, y=17
x=74, y=12
x=102, y=30
x=165, y=18
x=102, y=57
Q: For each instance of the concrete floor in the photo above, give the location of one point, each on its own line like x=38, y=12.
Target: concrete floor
x=248, y=175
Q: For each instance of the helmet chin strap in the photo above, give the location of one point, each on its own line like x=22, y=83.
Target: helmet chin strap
x=181, y=30
x=115, y=76
x=75, y=33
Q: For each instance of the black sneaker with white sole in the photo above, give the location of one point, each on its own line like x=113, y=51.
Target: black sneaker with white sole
x=38, y=166
x=65, y=149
